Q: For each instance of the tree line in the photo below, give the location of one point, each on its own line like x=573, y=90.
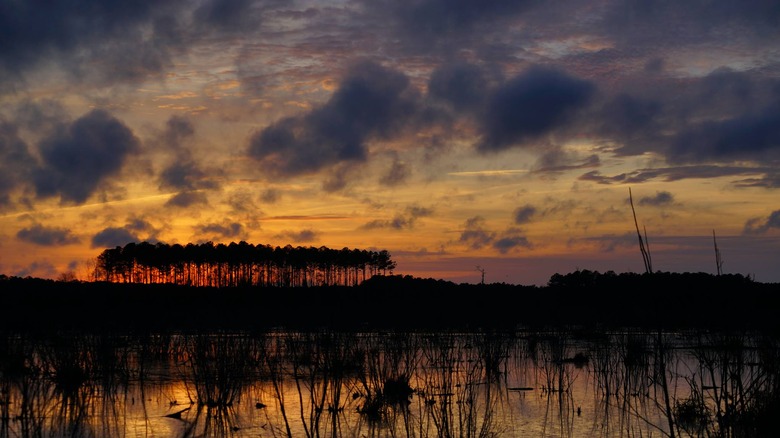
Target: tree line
x=239, y=264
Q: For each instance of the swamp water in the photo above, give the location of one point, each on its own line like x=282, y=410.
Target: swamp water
x=388, y=384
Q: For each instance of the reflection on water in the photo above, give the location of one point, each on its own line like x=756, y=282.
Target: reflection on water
x=377, y=384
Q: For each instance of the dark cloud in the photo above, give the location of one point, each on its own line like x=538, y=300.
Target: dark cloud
x=637, y=23
x=120, y=236
x=508, y=243
x=215, y=231
x=338, y=178
x=745, y=136
x=630, y=119
x=184, y=175
x=227, y=15
x=398, y=222
x=461, y=85
x=556, y=159
x=187, y=199
x=660, y=199
x=38, y=269
x=16, y=162
x=82, y=155
x=677, y=173
x=531, y=105
x=177, y=129
x=117, y=40
x=39, y=116
x=474, y=234
x=416, y=211
x=243, y=202
x=397, y=174
x=112, y=237
x=763, y=225
x=722, y=116
x=300, y=236
x=403, y=221
x=428, y=25
x=769, y=181
x=47, y=236
x=371, y=102
x=270, y=196
x=523, y=214
x=140, y=225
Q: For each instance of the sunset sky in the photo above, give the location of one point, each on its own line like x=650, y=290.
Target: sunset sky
x=459, y=135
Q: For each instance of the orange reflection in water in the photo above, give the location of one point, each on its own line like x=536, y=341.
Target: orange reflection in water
x=519, y=384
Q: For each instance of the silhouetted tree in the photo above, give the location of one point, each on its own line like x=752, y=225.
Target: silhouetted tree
x=240, y=264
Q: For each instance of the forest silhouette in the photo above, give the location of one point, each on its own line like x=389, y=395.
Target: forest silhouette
x=239, y=264
x=245, y=286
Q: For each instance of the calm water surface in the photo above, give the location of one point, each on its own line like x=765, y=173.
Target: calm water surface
x=560, y=383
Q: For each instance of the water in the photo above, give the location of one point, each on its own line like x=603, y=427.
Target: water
x=561, y=383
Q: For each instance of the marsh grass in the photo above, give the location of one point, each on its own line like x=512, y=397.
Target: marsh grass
x=738, y=384
x=393, y=383
x=217, y=367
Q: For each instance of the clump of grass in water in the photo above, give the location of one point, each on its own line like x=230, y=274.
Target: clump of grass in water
x=218, y=367
x=692, y=416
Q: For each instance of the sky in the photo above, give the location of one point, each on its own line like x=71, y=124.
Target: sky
x=465, y=137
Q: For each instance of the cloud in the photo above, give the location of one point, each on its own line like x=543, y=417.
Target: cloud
x=371, y=102
x=677, y=173
x=37, y=269
x=338, y=177
x=177, y=129
x=660, y=199
x=243, y=201
x=16, y=162
x=530, y=105
x=112, y=237
x=400, y=221
x=445, y=25
x=47, y=236
x=183, y=173
x=82, y=156
x=306, y=235
x=742, y=137
x=762, y=225
x=117, y=40
x=463, y=86
x=230, y=15
x=769, y=181
x=721, y=116
x=217, y=231
x=523, y=214
x=630, y=119
x=270, y=196
x=187, y=199
x=474, y=234
x=639, y=24
x=397, y=174
x=141, y=225
x=506, y=244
